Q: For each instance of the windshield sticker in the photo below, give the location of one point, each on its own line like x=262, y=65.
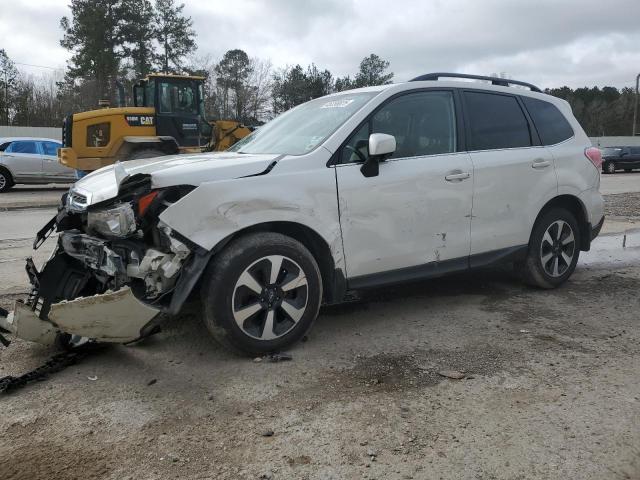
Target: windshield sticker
x=337, y=103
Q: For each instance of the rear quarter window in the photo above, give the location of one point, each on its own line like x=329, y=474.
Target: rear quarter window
x=551, y=124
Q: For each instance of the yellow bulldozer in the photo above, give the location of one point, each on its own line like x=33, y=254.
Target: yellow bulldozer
x=167, y=118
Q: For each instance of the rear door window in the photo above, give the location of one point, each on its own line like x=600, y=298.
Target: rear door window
x=495, y=121
x=22, y=147
x=551, y=124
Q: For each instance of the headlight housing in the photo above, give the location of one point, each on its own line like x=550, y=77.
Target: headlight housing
x=115, y=222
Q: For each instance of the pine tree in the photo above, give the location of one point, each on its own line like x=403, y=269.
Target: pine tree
x=94, y=34
x=174, y=33
x=372, y=72
x=232, y=74
x=139, y=34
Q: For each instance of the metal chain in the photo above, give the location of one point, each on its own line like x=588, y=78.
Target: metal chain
x=55, y=364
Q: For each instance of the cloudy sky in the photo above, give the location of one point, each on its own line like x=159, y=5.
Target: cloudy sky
x=546, y=42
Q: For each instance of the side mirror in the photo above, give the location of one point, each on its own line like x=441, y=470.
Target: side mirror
x=381, y=146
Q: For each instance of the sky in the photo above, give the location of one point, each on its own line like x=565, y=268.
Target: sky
x=550, y=43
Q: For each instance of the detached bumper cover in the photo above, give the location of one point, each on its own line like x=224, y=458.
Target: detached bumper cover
x=111, y=317
x=24, y=323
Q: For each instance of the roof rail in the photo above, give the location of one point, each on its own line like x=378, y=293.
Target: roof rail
x=503, y=82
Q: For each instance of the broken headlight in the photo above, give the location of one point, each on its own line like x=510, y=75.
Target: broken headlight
x=114, y=222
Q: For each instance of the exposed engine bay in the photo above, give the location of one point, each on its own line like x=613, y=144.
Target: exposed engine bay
x=114, y=268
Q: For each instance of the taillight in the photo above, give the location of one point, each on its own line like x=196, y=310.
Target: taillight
x=594, y=155
x=145, y=201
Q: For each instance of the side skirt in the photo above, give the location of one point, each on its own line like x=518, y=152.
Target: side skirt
x=438, y=269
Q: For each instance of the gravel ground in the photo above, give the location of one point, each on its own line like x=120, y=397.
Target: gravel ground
x=622, y=205
x=551, y=391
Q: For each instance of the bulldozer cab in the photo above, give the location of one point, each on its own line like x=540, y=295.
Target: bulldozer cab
x=179, y=105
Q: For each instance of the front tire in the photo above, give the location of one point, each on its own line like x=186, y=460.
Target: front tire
x=6, y=181
x=553, y=250
x=261, y=294
x=609, y=167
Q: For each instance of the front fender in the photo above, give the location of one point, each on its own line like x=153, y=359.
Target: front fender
x=216, y=210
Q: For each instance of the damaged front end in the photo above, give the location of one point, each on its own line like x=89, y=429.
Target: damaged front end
x=115, y=267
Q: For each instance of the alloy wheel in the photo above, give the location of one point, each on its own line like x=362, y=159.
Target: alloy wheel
x=3, y=181
x=270, y=297
x=558, y=248
x=611, y=167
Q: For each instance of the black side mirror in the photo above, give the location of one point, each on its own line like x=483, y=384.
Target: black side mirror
x=371, y=168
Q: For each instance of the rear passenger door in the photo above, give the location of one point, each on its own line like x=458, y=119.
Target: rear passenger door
x=514, y=175
x=24, y=160
x=634, y=153
x=51, y=167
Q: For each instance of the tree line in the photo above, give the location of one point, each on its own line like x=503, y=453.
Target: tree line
x=114, y=41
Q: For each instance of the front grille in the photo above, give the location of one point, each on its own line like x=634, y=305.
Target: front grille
x=67, y=129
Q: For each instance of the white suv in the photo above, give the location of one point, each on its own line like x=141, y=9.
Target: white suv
x=351, y=191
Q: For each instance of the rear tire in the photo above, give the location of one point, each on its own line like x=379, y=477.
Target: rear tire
x=253, y=308
x=609, y=167
x=553, y=251
x=146, y=153
x=6, y=180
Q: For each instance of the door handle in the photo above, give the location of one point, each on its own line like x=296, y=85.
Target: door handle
x=457, y=176
x=540, y=163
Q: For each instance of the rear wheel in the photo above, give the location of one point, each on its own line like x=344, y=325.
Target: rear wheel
x=553, y=251
x=261, y=294
x=6, y=181
x=609, y=167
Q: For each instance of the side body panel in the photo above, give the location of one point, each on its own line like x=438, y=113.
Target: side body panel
x=577, y=176
x=299, y=189
x=509, y=192
x=53, y=170
x=408, y=215
x=25, y=167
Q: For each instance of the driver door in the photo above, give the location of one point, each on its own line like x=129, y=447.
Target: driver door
x=413, y=219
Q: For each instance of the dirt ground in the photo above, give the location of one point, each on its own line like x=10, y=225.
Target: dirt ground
x=551, y=389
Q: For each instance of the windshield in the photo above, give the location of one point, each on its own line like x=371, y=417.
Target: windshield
x=304, y=127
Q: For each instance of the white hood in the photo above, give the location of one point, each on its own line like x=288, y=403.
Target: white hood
x=172, y=170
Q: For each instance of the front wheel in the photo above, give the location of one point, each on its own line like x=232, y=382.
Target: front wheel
x=6, y=182
x=609, y=167
x=553, y=251
x=261, y=294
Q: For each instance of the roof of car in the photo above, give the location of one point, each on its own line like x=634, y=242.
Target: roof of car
x=464, y=83
x=28, y=139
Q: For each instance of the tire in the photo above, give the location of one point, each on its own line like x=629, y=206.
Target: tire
x=237, y=316
x=609, y=167
x=552, y=259
x=146, y=153
x=6, y=180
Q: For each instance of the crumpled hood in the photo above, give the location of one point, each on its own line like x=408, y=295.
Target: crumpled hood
x=173, y=170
